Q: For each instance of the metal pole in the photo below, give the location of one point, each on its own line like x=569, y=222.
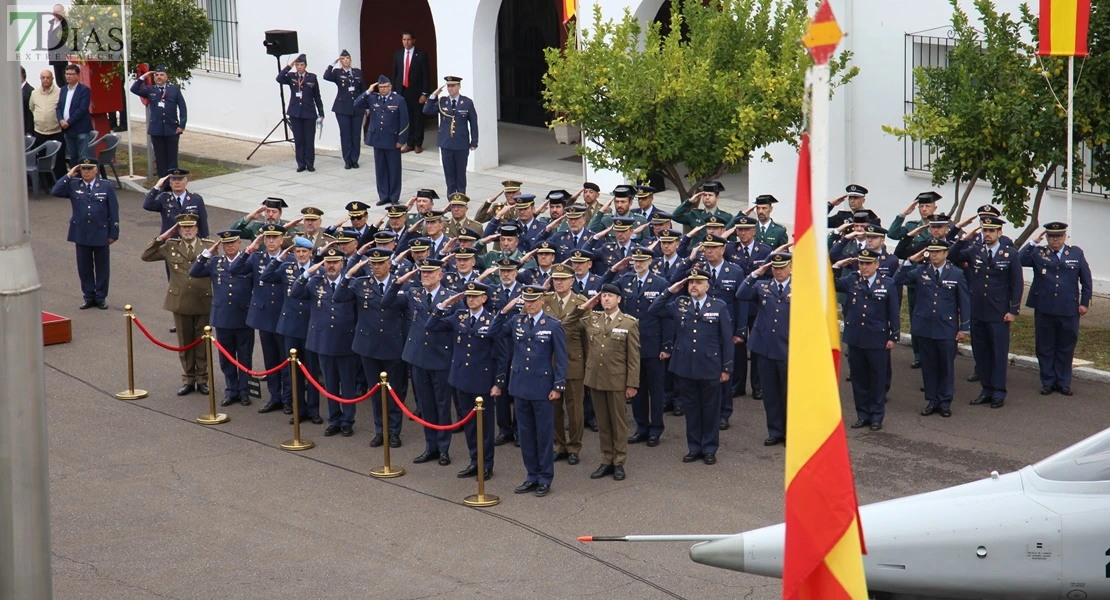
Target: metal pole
x=24, y=481
x=819, y=165
x=126, y=96
x=385, y=471
x=1071, y=136
x=481, y=499
x=212, y=418
x=130, y=393
x=296, y=443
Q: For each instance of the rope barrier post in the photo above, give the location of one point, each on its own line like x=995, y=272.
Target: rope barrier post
x=481, y=499
x=130, y=393
x=212, y=418
x=386, y=471
x=296, y=443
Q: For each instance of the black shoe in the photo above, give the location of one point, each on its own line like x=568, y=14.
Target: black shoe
x=998, y=403
x=653, y=441
x=773, y=441
x=572, y=458
x=444, y=459
x=561, y=456
x=710, y=459
x=602, y=471
x=311, y=169
x=383, y=202
x=678, y=412
x=592, y=427
x=757, y=394
x=347, y=166
x=471, y=471
x=376, y=441
x=202, y=388
x=1065, y=390
x=102, y=305
x=981, y=399
x=87, y=305
x=860, y=424
x=270, y=407
x=923, y=388
x=928, y=410
x=186, y=389
x=394, y=440
x=502, y=439
x=618, y=473
x=848, y=379
x=638, y=438
x=945, y=412
x=723, y=425
x=354, y=164
x=543, y=489
x=487, y=474
x=316, y=420
x=916, y=364
x=287, y=409
x=876, y=425
x=427, y=456
x=1045, y=390
x=457, y=430
x=245, y=400
x=331, y=430
x=691, y=457
x=526, y=487
x=300, y=419
x=516, y=443
x=347, y=430
x=973, y=377
x=229, y=401
x=300, y=169
x=738, y=391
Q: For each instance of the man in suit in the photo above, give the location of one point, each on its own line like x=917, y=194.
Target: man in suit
x=305, y=108
x=25, y=90
x=73, y=115
x=569, y=422
x=188, y=298
x=458, y=131
x=413, y=75
x=168, y=114
x=389, y=124
x=231, y=299
x=93, y=227
x=349, y=86
x=57, y=35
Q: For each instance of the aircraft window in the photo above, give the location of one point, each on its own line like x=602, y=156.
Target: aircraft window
x=1088, y=460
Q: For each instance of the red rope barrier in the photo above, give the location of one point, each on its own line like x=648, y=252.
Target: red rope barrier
x=316, y=384
x=404, y=409
x=163, y=345
x=259, y=374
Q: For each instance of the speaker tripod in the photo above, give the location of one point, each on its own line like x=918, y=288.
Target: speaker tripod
x=284, y=122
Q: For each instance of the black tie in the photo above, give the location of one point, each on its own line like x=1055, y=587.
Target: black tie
x=161, y=90
x=639, y=287
x=666, y=269
x=531, y=324
x=747, y=253
x=990, y=257
x=697, y=310
x=333, y=287
x=780, y=289
x=473, y=321
x=624, y=252
x=454, y=104
x=712, y=277
x=578, y=286
x=867, y=285
x=381, y=288
x=933, y=272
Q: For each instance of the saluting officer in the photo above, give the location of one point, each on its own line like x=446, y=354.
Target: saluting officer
x=507, y=236
x=872, y=326
x=330, y=335
x=489, y=208
x=458, y=131
x=749, y=254
x=702, y=359
x=188, y=298
x=770, y=337
x=310, y=218
x=612, y=373
x=538, y=274
x=305, y=108
x=621, y=205
x=168, y=114
x=689, y=214
x=996, y=283
x=93, y=227
x=349, y=85
x=231, y=299
x=609, y=252
x=457, y=203
x=267, y=301
x=926, y=204
x=389, y=124
x=670, y=265
x=856, y=195
x=270, y=211
x=176, y=200
x=768, y=232
x=1059, y=296
x=568, y=232
x=538, y=375
x=940, y=319
x=569, y=422
x=724, y=282
x=507, y=287
x=529, y=226
x=479, y=366
x=584, y=282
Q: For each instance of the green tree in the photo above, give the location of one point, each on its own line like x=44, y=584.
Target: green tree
x=727, y=79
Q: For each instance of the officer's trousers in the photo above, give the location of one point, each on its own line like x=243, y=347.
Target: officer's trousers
x=165, y=152
x=416, y=118
x=647, y=405
x=94, y=266
x=308, y=396
x=433, y=396
x=506, y=420
x=937, y=358
x=536, y=419
x=272, y=354
x=990, y=345
x=339, y=380
x=304, y=141
x=454, y=168
x=569, y=422
x=773, y=375
x=465, y=403
x=395, y=373
x=741, y=371
x=387, y=169
x=1056, y=337
x=868, y=368
x=239, y=342
x=701, y=399
x=194, y=361
x=612, y=426
x=911, y=299
x=350, y=136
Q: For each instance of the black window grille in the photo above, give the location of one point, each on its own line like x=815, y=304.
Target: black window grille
x=930, y=52
x=223, y=45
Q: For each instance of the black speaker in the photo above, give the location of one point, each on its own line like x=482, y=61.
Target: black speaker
x=280, y=42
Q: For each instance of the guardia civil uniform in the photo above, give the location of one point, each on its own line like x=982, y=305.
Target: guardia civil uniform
x=686, y=214
x=768, y=233
x=250, y=229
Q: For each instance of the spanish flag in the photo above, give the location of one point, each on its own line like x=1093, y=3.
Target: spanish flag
x=1063, y=27
x=824, y=547
x=570, y=7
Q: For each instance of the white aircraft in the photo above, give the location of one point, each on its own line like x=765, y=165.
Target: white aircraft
x=1041, y=532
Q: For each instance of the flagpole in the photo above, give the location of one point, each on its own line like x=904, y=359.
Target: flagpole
x=819, y=163
x=1071, y=136
x=126, y=96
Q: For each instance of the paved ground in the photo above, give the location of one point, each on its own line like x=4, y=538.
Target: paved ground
x=148, y=504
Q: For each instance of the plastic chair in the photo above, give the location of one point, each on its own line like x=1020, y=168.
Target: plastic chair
x=28, y=141
x=42, y=165
x=107, y=157
x=94, y=138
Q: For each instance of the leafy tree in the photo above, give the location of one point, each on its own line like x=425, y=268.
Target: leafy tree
x=726, y=79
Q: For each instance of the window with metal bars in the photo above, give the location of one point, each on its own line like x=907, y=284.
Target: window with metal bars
x=223, y=45
x=928, y=51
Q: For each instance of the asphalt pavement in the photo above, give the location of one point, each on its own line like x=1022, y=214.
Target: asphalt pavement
x=146, y=503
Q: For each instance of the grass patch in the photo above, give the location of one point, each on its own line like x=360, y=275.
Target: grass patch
x=197, y=170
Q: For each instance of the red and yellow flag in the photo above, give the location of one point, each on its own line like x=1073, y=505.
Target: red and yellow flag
x=1063, y=27
x=823, y=538
x=570, y=7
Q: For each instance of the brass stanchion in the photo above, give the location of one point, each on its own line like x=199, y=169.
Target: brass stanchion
x=481, y=498
x=386, y=471
x=130, y=393
x=296, y=443
x=212, y=418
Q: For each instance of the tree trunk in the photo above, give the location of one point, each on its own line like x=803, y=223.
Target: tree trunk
x=967, y=192
x=672, y=175
x=1035, y=214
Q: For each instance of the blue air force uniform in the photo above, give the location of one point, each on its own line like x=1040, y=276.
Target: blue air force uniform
x=231, y=299
x=389, y=124
x=168, y=113
x=724, y=282
x=93, y=225
x=305, y=106
x=1061, y=284
x=749, y=258
x=349, y=85
x=267, y=300
x=770, y=339
x=168, y=206
x=872, y=317
x=292, y=327
x=331, y=329
x=458, y=135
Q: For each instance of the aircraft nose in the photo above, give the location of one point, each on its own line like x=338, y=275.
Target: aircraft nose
x=724, y=554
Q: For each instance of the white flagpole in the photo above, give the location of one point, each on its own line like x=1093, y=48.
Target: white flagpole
x=1071, y=137
x=127, y=96
x=819, y=164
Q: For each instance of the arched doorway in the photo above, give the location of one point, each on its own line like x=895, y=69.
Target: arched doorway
x=380, y=28
x=524, y=29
